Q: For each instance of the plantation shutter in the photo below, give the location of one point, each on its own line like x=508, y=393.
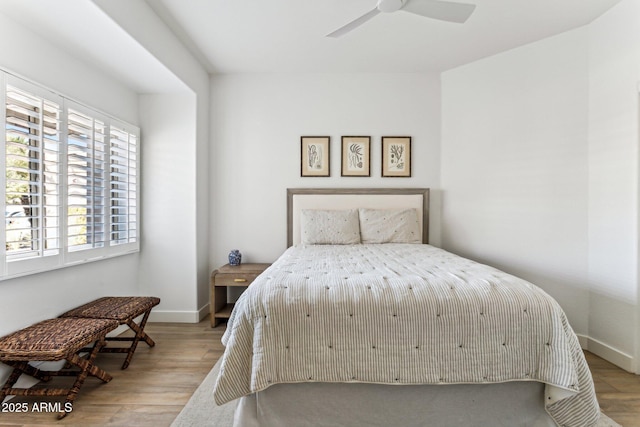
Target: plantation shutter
x=86, y=191
x=124, y=185
x=32, y=162
x=71, y=183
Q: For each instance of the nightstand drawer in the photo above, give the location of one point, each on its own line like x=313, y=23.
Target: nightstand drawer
x=239, y=279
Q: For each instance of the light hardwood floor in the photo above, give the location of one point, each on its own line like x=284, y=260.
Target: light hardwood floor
x=618, y=391
x=160, y=381
x=150, y=392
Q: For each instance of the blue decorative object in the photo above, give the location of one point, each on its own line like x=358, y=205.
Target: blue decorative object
x=235, y=257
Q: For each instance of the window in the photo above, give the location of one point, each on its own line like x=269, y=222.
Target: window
x=124, y=186
x=32, y=159
x=86, y=139
x=71, y=181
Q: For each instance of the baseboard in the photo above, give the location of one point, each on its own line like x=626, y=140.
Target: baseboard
x=608, y=353
x=204, y=311
x=584, y=341
x=179, y=316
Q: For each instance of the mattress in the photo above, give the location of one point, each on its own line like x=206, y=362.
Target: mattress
x=401, y=314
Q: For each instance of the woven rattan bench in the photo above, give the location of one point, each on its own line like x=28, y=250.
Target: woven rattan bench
x=54, y=340
x=124, y=310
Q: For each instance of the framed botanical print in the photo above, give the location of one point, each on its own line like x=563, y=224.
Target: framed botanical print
x=314, y=156
x=396, y=156
x=356, y=156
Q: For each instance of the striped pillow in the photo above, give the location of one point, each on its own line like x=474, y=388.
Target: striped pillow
x=390, y=226
x=329, y=227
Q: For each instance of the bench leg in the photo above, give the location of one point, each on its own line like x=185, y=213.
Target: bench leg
x=86, y=363
x=18, y=369
x=139, y=329
x=86, y=366
x=140, y=334
x=25, y=368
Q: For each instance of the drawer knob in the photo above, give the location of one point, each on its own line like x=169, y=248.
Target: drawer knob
x=239, y=280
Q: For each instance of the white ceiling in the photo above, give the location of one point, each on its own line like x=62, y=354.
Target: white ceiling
x=81, y=28
x=232, y=36
x=238, y=36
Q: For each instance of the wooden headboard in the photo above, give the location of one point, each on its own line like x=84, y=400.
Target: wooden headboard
x=353, y=198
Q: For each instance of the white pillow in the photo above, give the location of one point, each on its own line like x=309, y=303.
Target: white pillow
x=329, y=227
x=390, y=226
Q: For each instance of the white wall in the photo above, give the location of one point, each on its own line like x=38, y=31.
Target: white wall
x=167, y=247
x=186, y=122
x=514, y=166
x=256, y=124
x=540, y=173
x=36, y=59
x=614, y=73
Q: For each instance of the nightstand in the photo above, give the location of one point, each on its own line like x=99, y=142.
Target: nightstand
x=221, y=279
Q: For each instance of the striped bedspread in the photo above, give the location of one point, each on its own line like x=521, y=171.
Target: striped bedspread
x=401, y=314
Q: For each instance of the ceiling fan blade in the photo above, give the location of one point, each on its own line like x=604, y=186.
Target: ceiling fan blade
x=354, y=24
x=442, y=10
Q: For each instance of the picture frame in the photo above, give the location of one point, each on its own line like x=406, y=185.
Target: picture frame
x=356, y=156
x=396, y=156
x=315, y=156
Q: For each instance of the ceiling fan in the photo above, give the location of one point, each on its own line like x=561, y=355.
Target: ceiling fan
x=436, y=9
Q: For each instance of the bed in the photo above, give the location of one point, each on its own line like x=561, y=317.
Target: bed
x=362, y=322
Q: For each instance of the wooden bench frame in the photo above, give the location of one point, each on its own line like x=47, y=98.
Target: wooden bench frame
x=124, y=310
x=49, y=341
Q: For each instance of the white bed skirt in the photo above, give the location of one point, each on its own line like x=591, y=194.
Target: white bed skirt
x=352, y=404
